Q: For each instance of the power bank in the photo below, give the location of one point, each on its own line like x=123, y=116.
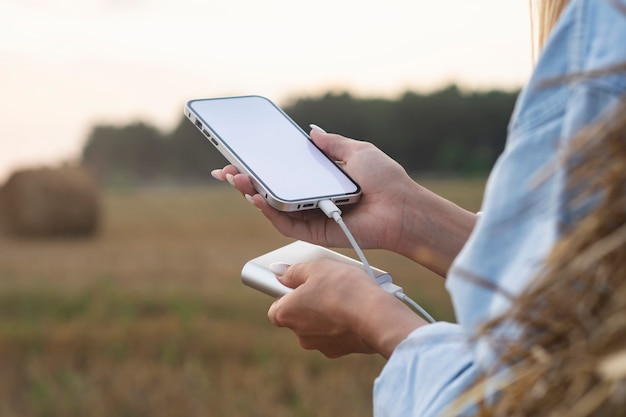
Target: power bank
x=256, y=272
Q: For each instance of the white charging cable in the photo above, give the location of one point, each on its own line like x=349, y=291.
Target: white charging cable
x=333, y=212
x=385, y=281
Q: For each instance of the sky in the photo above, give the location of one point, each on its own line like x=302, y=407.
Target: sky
x=67, y=65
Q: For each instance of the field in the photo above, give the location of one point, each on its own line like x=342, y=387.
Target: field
x=150, y=318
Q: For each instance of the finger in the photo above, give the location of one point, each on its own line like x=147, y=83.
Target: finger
x=217, y=174
x=279, y=312
x=242, y=183
x=335, y=146
x=329, y=347
x=295, y=275
x=220, y=174
x=291, y=275
x=272, y=313
x=279, y=268
x=230, y=169
x=231, y=175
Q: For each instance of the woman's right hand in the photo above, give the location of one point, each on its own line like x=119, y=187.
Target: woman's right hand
x=394, y=213
x=330, y=310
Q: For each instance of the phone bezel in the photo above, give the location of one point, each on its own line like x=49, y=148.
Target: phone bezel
x=278, y=203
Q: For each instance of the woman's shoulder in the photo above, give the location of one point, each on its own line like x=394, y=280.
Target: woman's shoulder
x=601, y=42
x=580, y=57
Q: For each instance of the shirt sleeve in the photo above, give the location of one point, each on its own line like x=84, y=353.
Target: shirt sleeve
x=426, y=373
x=437, y=363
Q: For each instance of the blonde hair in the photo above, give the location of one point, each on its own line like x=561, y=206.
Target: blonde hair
x=544, y=15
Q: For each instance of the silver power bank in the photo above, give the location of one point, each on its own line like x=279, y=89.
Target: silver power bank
x=256, y=272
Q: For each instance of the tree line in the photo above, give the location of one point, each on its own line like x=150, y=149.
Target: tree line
x=447, y=132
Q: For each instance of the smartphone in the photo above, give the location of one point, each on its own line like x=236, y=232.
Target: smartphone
x=284, y=165
x=256, y=273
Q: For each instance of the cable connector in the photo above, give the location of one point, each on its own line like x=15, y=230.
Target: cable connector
x=330, y=209
x=386, y=283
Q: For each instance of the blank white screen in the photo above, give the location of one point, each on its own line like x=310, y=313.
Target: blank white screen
x=273, y=147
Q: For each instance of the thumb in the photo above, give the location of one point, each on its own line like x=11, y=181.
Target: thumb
x=335, y=146
x=291, y=276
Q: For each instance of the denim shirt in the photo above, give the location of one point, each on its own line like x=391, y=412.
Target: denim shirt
x=523, y=212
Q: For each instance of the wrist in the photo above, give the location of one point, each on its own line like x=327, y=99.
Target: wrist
x=385, y=322
x=435, y=229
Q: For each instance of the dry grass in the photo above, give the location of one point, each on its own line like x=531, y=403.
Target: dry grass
x=151, y=319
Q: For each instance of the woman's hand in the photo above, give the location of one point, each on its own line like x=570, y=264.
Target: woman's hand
x=370, y=220
x=394, y=213
x=338, y=309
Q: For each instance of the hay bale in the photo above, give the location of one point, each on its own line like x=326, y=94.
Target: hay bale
x=50, y=202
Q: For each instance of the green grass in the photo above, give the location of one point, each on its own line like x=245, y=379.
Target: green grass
x=150, y=318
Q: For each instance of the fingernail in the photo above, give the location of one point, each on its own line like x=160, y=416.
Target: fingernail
x=217, y=174
x=316, y=127
x=279, y=268
x=230, y=179
x=250, y=199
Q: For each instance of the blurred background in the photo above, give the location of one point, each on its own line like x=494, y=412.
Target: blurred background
x=120, y=256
